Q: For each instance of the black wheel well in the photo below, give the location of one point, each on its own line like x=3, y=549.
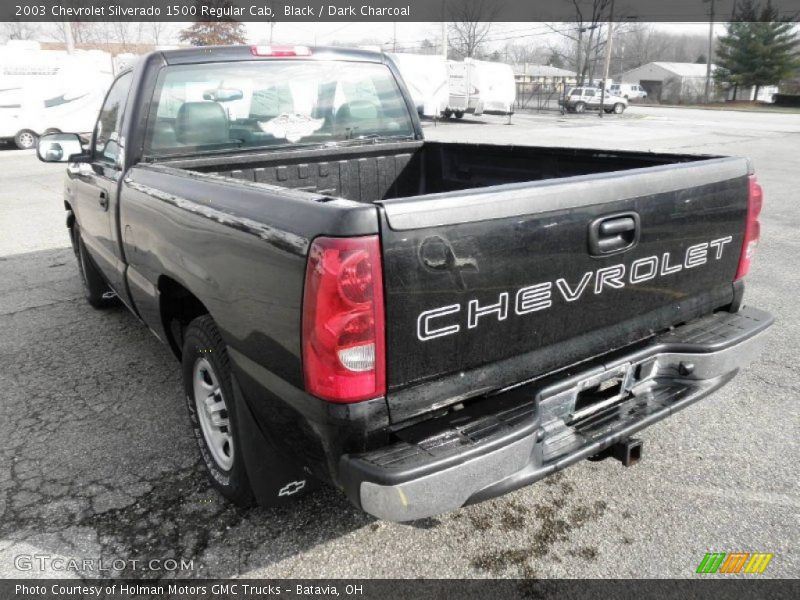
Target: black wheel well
x=179, y=307
x=71, y=225
x=70, y=214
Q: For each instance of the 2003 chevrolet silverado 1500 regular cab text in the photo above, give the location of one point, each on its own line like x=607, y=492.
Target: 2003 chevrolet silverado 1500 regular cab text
x=423, y=325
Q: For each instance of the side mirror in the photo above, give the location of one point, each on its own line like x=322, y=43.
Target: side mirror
x=58, y=147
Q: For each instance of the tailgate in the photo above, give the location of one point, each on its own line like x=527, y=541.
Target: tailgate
x=490, y=287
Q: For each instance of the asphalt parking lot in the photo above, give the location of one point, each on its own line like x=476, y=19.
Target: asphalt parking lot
x=97, y=459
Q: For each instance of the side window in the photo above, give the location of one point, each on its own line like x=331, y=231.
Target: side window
x=590, y=93
x=107, y=131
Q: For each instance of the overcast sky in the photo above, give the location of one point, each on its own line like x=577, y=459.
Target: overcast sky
x=413, y=33
x=408, y=35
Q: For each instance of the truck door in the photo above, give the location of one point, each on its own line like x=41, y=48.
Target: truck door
x=96, y=185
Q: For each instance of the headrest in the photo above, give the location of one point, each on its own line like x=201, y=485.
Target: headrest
x=202, y=123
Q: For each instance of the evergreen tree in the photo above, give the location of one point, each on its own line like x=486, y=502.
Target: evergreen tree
x=223, y=32
x=759, y=48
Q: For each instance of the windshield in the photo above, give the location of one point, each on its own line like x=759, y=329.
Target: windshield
x=217, y=106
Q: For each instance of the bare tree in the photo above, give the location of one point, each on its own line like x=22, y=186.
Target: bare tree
x=640, y=43
x=521, y=53
x=583, y=35
x=18, y=30
x=470, y=25
x=158, y=32
x=127, y=34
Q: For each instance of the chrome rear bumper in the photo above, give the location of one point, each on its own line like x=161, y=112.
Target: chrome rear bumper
x=472, y=461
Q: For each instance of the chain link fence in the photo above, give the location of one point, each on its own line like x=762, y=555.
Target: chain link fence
x=540, y=96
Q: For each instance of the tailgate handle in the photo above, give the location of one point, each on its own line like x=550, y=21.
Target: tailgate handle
x=615, y=226
x=614, y=233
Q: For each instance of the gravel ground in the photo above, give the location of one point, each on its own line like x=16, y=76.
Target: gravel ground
x=97, y=459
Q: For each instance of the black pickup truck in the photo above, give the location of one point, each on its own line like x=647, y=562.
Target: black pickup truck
x=423, y=325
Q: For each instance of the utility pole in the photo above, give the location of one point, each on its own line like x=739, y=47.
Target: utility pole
x=394, y=36
x=68, y=40
x=444, y=40
x=580, y=59
x=607, y=64
x=710, y=50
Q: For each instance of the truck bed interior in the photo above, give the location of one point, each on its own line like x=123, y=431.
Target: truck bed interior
x=398, y=170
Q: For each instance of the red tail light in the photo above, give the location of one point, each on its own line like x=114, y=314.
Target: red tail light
x=344, y=350
x=752, y=229
x=280, y=51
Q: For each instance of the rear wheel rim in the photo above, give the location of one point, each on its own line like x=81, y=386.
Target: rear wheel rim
x=618, y=109
x=212, y=413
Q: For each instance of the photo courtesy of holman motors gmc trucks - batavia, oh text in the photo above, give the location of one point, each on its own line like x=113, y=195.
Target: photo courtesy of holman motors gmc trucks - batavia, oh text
x=422, y=325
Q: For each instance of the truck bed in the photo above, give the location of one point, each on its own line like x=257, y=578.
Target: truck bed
x=470, y=225
x=387, y=171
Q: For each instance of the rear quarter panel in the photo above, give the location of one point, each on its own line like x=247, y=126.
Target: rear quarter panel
x=239, y=248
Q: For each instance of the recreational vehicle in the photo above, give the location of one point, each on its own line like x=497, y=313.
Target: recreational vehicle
x=479, y=87
x=426, y=77
x=46, y=91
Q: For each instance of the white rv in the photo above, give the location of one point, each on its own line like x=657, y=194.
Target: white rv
x=498, y=88
x=43, y=91
x=464, y=96
x=426, y=77
x=478, y=87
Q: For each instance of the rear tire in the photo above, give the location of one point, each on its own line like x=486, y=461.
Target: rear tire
x=459, y=115
x=212, y=411
x=580, y=107
x=95, y=288
x=26, y=139
x=447, y=113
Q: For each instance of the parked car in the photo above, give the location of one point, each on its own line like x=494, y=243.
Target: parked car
x=580, y=99
x=629, y=91
x=421, y=324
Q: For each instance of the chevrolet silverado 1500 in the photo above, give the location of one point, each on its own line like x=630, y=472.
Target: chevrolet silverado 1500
x=422, y=325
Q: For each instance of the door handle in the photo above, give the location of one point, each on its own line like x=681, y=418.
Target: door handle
x=614, y=233
x=103, y=200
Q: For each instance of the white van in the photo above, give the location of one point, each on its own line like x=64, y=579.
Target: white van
x=45, y=91
x=426, y=77
x=629, y=91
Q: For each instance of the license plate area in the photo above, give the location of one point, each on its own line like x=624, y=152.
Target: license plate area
x=591, y=399
x=578, y=399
